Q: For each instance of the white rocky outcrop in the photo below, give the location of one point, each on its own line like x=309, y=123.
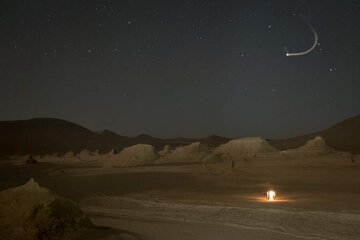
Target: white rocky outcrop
x=165, y=151
x=84, y=155
x=193, y=152
x=316, y=145
x=245, y=146
x=140, y=154
x=31, y=212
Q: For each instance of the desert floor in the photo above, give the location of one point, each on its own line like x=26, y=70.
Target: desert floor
x=318, y=197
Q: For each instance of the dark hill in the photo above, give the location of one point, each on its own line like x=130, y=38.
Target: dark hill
x=110, y=135
x=158, y=143
x=48, y=135
x=344, y=136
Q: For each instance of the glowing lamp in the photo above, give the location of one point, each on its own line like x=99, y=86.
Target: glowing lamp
x=270, y=195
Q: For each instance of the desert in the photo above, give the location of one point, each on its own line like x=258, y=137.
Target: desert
x=197, y=192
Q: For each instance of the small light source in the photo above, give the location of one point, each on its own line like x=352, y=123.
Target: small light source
x=270, y=195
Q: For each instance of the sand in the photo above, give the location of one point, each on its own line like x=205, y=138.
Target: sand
x=318, y=197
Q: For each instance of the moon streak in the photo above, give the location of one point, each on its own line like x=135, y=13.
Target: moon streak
x=316, y=39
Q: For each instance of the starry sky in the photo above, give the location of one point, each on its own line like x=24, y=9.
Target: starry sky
x=181, y=67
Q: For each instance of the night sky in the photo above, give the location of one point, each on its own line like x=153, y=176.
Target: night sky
x=181, y=68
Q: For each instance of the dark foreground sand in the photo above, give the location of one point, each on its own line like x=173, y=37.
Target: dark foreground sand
x=316, y=201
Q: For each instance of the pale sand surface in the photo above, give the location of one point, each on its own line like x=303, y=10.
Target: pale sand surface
x=319, y=197
x=148, y=229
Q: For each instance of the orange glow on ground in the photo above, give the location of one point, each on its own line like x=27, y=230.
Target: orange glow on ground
x=263, y=199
